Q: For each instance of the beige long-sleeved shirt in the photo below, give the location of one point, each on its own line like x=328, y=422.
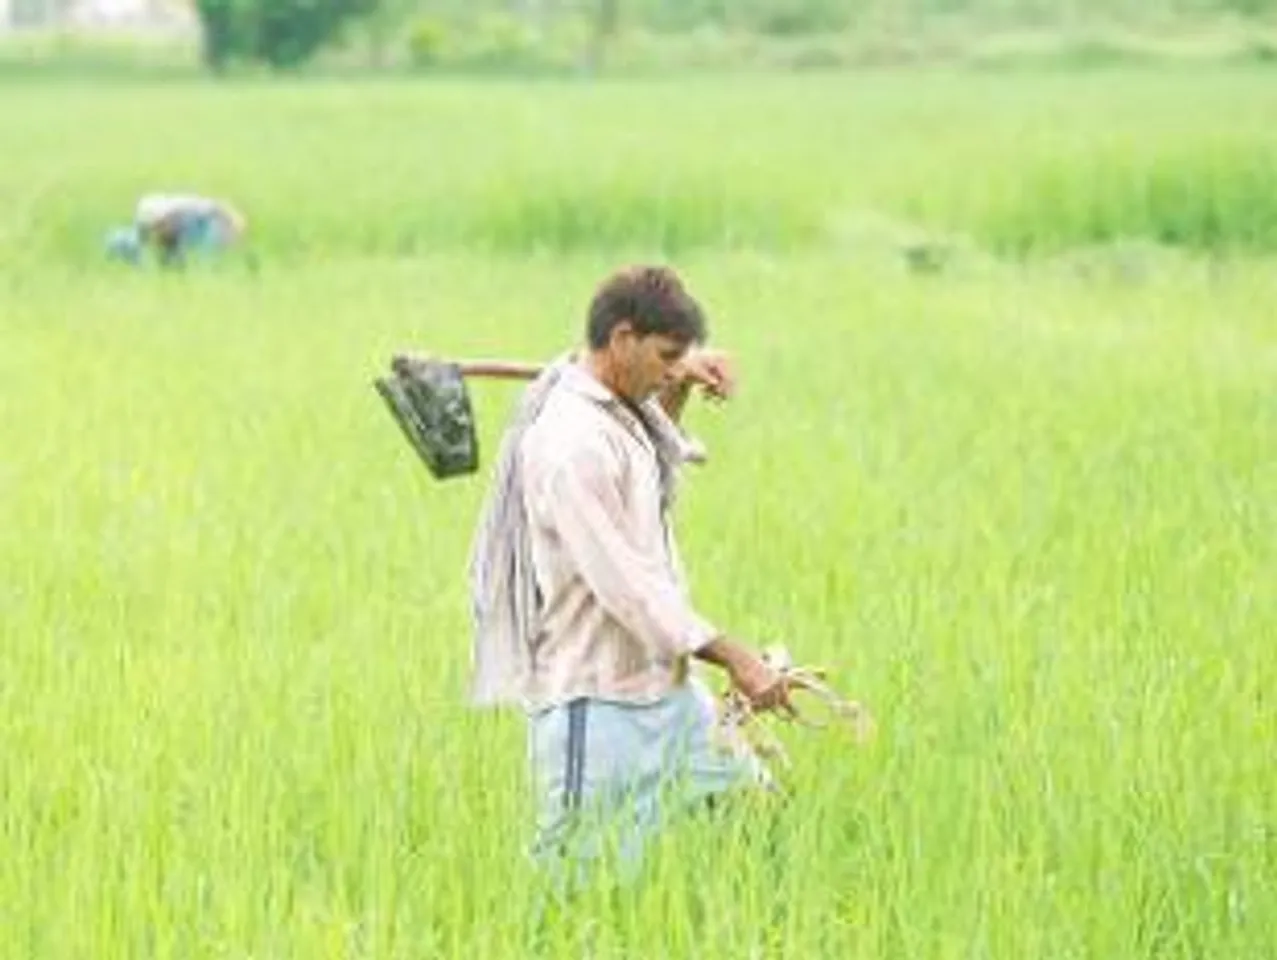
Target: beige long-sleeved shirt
x=616, y=622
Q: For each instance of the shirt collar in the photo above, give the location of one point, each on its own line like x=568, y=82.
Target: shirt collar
x=583, y=383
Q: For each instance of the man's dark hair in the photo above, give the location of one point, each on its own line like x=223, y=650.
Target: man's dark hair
x=653, y=299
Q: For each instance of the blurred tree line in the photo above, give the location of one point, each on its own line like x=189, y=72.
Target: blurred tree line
x=287, y=33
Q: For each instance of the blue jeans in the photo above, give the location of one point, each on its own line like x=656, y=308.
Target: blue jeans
x=607, y=775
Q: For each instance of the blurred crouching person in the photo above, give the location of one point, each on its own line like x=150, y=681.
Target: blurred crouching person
x=175, y=226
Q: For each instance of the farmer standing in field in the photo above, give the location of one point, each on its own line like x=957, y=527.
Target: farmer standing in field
x=581, y=612
x=176, y=224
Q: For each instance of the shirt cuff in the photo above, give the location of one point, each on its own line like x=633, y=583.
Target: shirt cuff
x=698, y=635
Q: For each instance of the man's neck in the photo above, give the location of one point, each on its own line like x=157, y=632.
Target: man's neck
x=597, y=366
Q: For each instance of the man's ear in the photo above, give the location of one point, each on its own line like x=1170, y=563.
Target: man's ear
x=621, y=334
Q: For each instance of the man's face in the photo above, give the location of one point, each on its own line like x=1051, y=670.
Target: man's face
x=645, y=364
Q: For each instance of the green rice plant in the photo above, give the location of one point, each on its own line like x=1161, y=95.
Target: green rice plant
x=672, y=216
x=1203, y=197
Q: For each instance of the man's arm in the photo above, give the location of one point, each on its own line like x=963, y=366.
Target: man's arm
x=673, y=398
x=765, y=688
x=583, y=500
x=713, y=370
x=585, y=506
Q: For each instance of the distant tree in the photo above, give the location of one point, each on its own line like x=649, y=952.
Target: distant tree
x=383, y=24
x=224, y=37
x=282, y=33
x=1250, y=8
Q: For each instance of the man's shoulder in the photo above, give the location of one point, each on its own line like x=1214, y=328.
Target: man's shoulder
x=569, y=426
x=566, y=408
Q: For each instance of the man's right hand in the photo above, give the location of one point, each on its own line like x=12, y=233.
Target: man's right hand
x=762, y=685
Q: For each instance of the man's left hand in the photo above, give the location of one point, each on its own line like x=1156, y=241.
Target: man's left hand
x=712, y=370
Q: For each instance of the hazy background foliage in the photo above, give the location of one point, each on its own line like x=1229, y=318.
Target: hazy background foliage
x=538, y=37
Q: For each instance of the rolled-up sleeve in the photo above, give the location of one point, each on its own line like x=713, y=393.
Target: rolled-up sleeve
x=584, y=504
